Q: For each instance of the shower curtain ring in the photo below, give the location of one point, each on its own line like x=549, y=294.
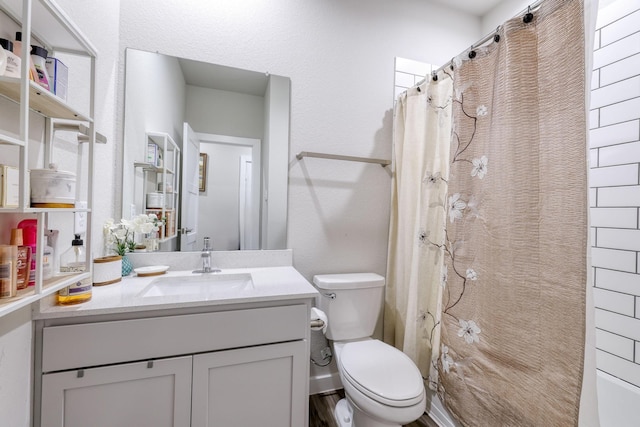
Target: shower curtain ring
x=434, y=76
x=528, y=17
x=472, y=53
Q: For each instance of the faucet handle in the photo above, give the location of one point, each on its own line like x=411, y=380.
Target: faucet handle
x=207, y=244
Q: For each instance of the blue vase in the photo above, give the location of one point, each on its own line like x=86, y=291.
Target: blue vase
x=126, y=266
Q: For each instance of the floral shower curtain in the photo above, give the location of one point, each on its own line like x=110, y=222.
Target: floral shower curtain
x=422, y=129
x=513, y=304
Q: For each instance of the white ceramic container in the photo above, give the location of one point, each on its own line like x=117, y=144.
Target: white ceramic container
x=107, y=270
x=155, y=200
x=52, y=188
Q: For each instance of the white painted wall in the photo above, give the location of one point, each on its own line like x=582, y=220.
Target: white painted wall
x=340, y=57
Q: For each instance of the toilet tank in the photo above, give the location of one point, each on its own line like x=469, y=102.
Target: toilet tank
x=352, y=303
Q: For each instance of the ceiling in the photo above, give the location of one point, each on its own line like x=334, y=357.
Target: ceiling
x=474, y=7
x=220, y=77
x=254, y=83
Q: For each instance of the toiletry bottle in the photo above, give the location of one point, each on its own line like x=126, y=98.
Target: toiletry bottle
x=29, y=229
x=39, y=58
x=47, y=254
x=13, y=61
x=77, y=293
x=8, y=271
x=73, y=260
x=24, y=258
x=17, y=49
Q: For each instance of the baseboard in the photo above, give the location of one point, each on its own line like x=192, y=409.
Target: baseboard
x=437, y=412
x=324, y=383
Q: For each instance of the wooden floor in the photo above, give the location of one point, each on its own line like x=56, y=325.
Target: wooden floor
x=321, y=411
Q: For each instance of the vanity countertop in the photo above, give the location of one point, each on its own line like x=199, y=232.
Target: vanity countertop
x=279, y=283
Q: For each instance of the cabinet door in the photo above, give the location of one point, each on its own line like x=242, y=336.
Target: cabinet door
x=133, y=394
x=256, y=386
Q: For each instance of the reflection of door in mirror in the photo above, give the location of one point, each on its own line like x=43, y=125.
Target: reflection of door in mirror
x=229, y=209
x=163, y=92
x=190, y=189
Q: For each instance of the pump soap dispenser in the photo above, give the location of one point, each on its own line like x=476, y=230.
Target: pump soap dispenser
x=74, y=260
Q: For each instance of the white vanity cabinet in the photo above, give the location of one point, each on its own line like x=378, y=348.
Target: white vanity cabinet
x=154, y=393
x=237, y=367
x=256, y=386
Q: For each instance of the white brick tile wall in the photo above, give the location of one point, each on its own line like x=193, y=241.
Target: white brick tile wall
x=619, y=196
x=614, y=176
x=614, y=12
x=408, y=73
x=618, y=367
x=594, y=119
x=615, y=301
x=615, y=188
x=616, y=92
x=619, y=154
x=616, y=51
x=623, y=325
x=620, y=28
x=611, y=258
x=627, y=283
x=618, y=71
x=615, y=134
x=621, y=112
x=593, y=158
x=615, y=344
x=627, y=240
x=614, y=217
x=595, y=79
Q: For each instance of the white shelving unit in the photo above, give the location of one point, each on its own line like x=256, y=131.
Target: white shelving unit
x=163, y=168
x=44, y=23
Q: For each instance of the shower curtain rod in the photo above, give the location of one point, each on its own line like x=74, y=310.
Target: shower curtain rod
x=528, y=17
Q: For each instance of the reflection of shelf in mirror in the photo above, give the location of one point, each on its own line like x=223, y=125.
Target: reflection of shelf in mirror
x=40, y=100
x=147, y=166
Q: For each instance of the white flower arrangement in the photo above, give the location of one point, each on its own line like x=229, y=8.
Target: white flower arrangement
x=120, y=237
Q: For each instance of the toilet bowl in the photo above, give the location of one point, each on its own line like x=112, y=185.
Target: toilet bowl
x=382, y=384
x=383, y=387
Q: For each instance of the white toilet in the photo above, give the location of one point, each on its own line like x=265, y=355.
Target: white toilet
x=383, y=386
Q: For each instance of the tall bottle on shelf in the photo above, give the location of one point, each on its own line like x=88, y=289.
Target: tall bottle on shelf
x=24, y=258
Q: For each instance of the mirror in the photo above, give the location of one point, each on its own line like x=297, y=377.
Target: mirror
x=239, y=118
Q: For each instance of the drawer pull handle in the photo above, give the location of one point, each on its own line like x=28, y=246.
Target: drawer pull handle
x=150, y=364
x=80, y=373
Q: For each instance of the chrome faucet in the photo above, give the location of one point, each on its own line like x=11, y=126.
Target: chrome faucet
x=206, y=258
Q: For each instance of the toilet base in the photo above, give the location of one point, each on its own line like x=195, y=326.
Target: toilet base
x=347, y=414
x=343, y=413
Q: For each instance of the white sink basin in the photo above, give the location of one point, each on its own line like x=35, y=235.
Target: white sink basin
x=206, y=285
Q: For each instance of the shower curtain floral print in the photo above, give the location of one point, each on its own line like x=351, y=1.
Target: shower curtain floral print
x=422, y=128
x=514, y=249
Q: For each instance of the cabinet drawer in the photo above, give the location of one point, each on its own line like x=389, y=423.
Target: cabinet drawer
x=92, y=344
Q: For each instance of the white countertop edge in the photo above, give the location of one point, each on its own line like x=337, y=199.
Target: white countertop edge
x=270, y=284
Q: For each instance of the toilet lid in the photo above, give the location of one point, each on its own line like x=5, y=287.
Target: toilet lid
x=382, y=372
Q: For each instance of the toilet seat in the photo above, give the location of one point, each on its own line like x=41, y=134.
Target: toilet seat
x=382, y=373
